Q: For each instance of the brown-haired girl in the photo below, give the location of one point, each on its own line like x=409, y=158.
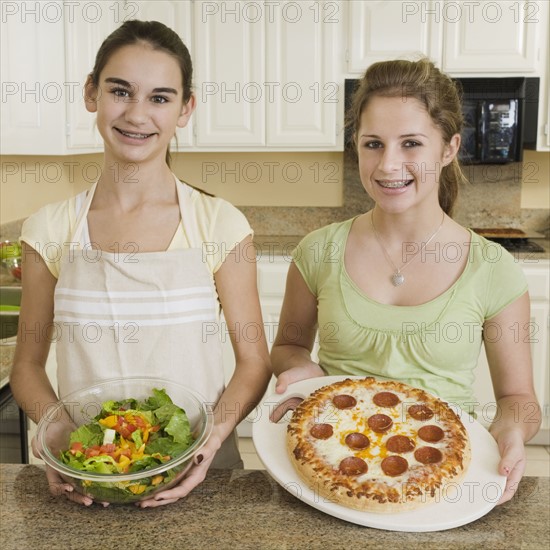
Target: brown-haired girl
x=403, y=291
x=146, y=258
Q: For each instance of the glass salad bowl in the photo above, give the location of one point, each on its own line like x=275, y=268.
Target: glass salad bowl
x=123, y=440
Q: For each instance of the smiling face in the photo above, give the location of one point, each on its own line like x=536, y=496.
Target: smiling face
x=139, y=103
x=401, y=153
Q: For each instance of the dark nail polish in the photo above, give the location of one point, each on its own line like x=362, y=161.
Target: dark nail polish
x=200, y=458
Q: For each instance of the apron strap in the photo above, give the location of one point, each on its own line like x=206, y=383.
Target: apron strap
x=82, y=206
x=188, y=217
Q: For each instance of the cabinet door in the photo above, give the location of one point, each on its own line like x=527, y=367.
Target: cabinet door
x=229, y=60
x=178, y=16
x=33, y=80
x=380, y=31
x=303, y=99
x=491, y=37
x=86, y=26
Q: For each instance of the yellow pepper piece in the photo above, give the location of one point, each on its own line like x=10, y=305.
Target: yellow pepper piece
x=156, y=480
x=137, y=489
x=110, y=421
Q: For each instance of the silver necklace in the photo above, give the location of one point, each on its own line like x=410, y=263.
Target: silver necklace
x=397, y=278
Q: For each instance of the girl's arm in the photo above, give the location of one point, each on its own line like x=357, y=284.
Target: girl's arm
x=237, y=290
x=29, y=382
x=518, y=415
x=291, y=352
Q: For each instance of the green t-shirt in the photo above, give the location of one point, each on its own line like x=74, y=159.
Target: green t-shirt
x=434, y=346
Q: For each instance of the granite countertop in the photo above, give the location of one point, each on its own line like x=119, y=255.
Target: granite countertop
x=244, y=509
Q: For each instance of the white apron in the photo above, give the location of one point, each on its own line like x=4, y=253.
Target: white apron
x=126, y=313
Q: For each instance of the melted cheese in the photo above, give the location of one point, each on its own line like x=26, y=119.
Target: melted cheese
x=345, y=421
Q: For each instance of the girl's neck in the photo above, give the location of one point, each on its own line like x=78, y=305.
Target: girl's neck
x=406, y=226
x=128, y=185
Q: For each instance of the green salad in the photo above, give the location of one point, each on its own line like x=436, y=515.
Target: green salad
x=126, y=437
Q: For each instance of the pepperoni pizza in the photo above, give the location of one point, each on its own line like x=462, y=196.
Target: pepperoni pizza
x=377, y=446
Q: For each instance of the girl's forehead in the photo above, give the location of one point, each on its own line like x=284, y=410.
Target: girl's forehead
x=141, y=62
x=391, y=116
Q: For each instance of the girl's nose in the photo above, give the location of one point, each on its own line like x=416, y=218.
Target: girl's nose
x=389, y=160
x=136, y=111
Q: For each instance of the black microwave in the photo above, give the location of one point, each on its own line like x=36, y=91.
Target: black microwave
x=500, y=118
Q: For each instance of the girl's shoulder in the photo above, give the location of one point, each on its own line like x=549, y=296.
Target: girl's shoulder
x=48, y=231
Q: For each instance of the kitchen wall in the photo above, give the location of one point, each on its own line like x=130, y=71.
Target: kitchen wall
x=245, y=179
x=313, y=188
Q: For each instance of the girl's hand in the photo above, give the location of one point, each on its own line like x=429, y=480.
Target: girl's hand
x=295, y=374
x=58, y=486
x=512, y=461
x=194, y=476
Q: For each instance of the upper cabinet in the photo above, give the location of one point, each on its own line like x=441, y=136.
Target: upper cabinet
x=381, y=30
x=229, y=66
x=34, y=89
x=266, y=75
x=492, y=37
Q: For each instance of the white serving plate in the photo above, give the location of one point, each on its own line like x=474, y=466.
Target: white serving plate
x=476, y=494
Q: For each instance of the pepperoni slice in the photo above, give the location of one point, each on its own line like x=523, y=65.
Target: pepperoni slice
x=321, y=431
x=394, y=465
x=344, y=401
x=431, y=433
x=421, y=412
x=353, y=466
x=399, y=444
x=428, y=455
x=385, y=399
x=357, y=441
x=380, y=423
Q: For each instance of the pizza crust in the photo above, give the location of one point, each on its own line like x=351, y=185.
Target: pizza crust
x=318, y=460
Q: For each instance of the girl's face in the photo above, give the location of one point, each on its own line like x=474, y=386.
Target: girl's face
x=401, y=153
x=139, y=103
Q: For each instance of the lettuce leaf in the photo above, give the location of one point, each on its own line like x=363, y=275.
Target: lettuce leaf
x=87, y=434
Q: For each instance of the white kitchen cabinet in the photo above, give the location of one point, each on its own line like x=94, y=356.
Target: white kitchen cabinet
x=538, y=279
x=300, y=59
x=34, y=89
x=229, y=69
x=265, y=74
x=496, y=38
x=492, y=37
x=381, y=30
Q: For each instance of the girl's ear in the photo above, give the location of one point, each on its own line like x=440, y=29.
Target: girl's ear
x=186, y=112
x=90, y=95
x=451, y=150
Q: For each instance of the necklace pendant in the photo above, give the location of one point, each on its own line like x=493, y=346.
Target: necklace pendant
x=397, y=279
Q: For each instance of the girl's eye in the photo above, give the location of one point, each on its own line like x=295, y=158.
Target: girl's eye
x=159, y=99
x=372, y=145
x=412, y=143
x=120, y=92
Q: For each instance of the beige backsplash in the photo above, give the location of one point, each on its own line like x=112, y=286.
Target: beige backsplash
x=285, y=193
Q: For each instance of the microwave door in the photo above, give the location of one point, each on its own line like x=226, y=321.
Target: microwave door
x=469, y=143
x=498, y=130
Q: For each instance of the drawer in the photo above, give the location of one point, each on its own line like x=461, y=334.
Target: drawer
x=538, y=279
x=272, y=277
